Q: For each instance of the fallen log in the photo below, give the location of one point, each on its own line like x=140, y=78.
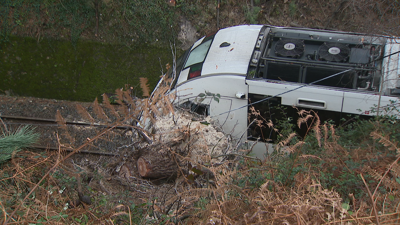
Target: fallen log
x=156, y=165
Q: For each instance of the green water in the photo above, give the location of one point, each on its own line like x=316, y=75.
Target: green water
x=58, y=70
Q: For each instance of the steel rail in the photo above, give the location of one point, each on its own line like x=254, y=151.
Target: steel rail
x=69, y=149
x=139, y=129
x=55, y=121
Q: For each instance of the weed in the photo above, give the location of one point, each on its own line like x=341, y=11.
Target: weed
x=201, y=203
x=292, y=8
x=252, y=13
x=202, y=96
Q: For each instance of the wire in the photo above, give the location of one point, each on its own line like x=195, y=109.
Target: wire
x=265, y=99
x=390, y=54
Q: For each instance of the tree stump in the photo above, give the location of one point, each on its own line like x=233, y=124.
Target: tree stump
x=157, y=165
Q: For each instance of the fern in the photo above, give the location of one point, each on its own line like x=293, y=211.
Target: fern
x=120, y=97
x=144, y=86
x=386, y=181
x=391, y=145
x=13, y=142
x=84, y=113
x=99, y=111
x=317, y=129
x=62, y=123
x=107, y=104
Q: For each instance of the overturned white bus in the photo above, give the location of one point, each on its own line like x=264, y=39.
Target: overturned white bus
x=333, y=72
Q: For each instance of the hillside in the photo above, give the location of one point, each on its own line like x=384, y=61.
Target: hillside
x=165, y=21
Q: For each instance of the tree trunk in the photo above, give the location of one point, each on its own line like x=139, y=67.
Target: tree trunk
x=156, y=165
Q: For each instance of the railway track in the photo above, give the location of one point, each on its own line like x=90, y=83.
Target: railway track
x=50, y=122
x=51, y=126
x=53, y=122
x=40, y=147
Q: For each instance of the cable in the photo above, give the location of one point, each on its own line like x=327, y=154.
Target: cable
x=390, y=54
